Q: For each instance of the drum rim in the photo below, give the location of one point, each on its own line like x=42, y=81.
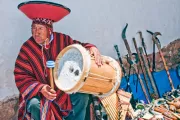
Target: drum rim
x=85, y=69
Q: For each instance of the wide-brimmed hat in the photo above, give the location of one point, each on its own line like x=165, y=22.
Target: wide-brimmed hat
x=43, y=11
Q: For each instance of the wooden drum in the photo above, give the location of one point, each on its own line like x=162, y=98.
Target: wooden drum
x=76, y=71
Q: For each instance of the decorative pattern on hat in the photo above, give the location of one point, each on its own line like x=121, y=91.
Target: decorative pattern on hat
x=43, y=21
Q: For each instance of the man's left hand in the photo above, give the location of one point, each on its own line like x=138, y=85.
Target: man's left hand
x=94, y=51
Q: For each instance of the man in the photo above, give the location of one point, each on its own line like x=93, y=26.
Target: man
x=37, y=99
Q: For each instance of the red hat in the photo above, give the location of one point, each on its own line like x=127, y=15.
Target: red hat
x=47, y=11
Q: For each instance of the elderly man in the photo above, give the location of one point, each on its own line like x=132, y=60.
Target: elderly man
x=37, y=99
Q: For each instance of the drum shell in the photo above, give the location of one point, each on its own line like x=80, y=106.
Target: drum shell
x=96, y=82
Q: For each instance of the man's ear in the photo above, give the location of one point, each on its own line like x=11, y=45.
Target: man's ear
x=50, y=31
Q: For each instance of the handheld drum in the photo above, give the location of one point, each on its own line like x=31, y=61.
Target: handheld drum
x=76, y=71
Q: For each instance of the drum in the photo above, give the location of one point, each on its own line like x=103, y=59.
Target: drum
x=76, y=71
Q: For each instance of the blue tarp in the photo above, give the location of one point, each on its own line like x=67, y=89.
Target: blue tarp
x=161, y=81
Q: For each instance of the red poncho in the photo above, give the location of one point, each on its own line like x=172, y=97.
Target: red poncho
x=30, y=78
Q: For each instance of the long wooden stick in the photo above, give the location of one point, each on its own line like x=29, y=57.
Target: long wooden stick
x=50, y=65
x=134, y=64
x=149, y=72
x=144, y=47
x=162, y=56
x=142, y=68
x=153, y=68
x=154, y=54
x=123, y=69
x=51, y=79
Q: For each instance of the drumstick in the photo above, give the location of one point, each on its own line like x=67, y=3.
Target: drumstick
x=50, y=64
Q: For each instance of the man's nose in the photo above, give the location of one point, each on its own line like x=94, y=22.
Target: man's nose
x=37, y=32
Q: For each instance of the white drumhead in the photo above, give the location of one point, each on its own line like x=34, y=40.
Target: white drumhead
x=70, y=68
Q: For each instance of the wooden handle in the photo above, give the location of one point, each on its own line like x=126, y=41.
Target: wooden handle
x=50, y=64
x=51, y=78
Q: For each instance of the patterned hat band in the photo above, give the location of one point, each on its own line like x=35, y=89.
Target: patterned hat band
x=43, y=21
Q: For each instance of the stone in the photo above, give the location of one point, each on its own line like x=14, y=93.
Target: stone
x=8, y=108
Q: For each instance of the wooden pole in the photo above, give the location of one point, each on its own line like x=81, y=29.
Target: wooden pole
x=144, y=47
x=50, y=65
x=149, y=72
x=142, y=68
x=162, y=56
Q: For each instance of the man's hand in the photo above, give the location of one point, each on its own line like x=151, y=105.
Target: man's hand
x=94, y=51
x=48, y=92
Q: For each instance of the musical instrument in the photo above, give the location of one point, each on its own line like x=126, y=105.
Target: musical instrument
x=76, y=71
x=124, y=101
x=111, y=106
x=118, y=105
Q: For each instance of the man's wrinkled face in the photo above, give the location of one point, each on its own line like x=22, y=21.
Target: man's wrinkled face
x=39, y=33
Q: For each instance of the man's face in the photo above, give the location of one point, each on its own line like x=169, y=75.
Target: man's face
x=39, y=33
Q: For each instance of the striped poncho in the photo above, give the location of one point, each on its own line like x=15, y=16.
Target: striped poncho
x=30, y=77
